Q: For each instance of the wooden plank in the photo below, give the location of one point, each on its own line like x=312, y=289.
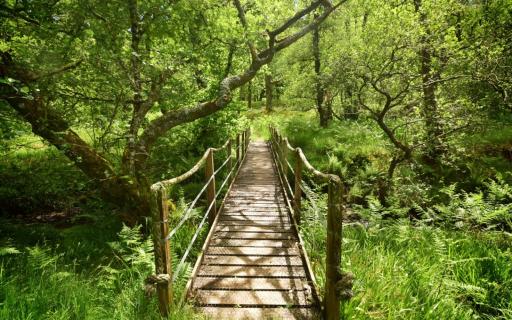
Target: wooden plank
x=286, y=225
x=253, y=260
x=249, y=283
x=260, y=202
x=255, y=213
x=275, y=251
x=252, y=298
x=233, y=313
x=257, y=219
x=265, y=193
x=253, y=243
x=255, y=235
x=252, y=228
x=253, y=271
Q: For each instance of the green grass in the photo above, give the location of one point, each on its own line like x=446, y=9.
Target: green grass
x=78, y=275
x=419, y=272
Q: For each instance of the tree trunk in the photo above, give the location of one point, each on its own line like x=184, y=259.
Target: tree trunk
x=249, y=95
x=126, y=191
x=324, y=110
x=430, y=106
x=268, y=92
x=350, y=110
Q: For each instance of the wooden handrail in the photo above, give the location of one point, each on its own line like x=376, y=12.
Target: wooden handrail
x=334, y=276
x=160, y=211
x=192, y=171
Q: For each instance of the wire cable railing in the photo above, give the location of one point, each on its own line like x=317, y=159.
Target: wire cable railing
x=160, y=211
x=337, y=283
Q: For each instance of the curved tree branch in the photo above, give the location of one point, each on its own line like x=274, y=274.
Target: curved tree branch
x=171, y=119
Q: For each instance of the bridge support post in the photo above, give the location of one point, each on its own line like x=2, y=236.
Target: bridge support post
x=242, y=144
x=210, y=191
x=162, y=251
x=230, y=159
x=247, y=138
x=284, y=157
x=297, y=195
x=238, y=159
x=333, y=258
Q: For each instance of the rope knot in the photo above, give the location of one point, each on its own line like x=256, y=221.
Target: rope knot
x=344, y=285
x=162, y=278
x=151, y=282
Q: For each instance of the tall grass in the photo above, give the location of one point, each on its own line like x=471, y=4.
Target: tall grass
x=404, y=271
x=45, y=282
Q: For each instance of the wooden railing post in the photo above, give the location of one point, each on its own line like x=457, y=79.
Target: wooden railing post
x=248, y=138
x=162, y=251
x=238, y=148
x=297, y=192
x=333, y=258
x=210, y=191
x=278, y=150
x=284, y=155
x=242, y=142
x=230, y=159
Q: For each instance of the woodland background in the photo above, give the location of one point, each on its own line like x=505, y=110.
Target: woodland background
x=408, y=101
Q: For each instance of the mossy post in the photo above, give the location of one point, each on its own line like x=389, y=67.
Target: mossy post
x=243, y=143
x=333, y=257
x=230, y=158
x=248, y=138
x=238, y=148
x=284, y=155
x=162, y=251
x=297, y=192
x=210, y=191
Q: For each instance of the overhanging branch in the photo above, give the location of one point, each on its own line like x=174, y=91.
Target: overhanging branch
x=159, y=126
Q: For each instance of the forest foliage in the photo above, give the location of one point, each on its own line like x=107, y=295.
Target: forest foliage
x=407, y=101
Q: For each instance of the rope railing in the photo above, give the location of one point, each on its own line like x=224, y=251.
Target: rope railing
x=337, y=283
x=160, y=211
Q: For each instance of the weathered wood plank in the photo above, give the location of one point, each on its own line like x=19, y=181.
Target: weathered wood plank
x=253, y=243
x=253, y=228
x=255, y=219
x=231, y=313
x=249, y=283
x=253, y=260
x=253, y=271
x=253, y=298
x=255, y=223
x=275, y=251
x=255, y=235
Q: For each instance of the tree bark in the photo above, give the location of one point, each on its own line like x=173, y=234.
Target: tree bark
x=249, y=95
x=268, y=92
x=324, y=109
x=430, y=112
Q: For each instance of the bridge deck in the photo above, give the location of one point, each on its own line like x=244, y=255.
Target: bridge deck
x=253, y=267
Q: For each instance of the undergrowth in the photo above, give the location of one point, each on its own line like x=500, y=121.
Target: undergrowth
x=45, y=282
x=406, y=271
x=437, y=250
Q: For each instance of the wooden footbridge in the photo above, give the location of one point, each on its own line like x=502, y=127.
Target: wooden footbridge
x=253, y=264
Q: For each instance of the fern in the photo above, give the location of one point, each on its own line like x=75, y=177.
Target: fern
x=5, y=251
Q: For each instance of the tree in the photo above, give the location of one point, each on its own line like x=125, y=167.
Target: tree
x=269, y=90
x=323, y=99
x=129, y=58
